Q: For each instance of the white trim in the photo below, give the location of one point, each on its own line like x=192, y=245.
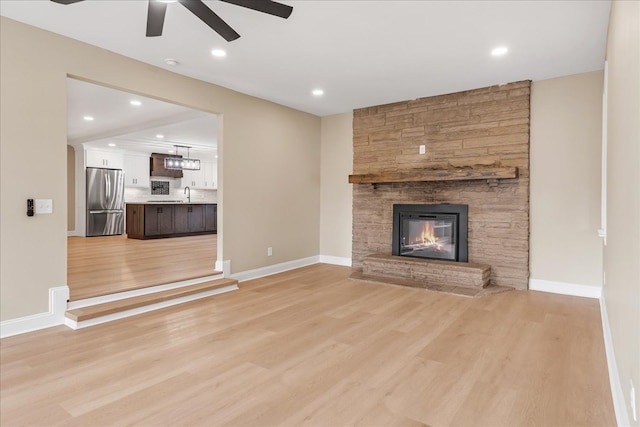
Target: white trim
x=274, y=269
x=335, y=260
x=58, y=297
x=132, y=312
x=617, y=393
x=224, y=266
x=565, y=288
x=602, y=232
x=71, y=233
x=138, y=292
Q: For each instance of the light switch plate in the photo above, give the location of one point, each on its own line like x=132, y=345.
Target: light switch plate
x=423, y=149
x=44, y=206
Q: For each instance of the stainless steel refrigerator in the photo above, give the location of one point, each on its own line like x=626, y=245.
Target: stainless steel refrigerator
x=105, y=202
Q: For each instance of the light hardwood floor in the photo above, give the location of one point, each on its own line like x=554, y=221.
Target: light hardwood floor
x=312, y=347
x=104, y=265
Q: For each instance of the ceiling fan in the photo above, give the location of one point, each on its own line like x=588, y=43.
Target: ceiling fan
x=158, y=8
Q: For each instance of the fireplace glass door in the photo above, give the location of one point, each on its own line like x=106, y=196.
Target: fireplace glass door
x=429, y=236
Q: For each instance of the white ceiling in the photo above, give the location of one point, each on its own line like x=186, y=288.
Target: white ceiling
x=361, y=53
x=135, y=128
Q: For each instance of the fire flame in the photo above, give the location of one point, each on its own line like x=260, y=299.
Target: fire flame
x=428, y=237
x=427, y=234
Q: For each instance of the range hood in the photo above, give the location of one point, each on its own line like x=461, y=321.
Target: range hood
x=157, y=168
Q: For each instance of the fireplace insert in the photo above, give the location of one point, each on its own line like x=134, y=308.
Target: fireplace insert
x=431, y=231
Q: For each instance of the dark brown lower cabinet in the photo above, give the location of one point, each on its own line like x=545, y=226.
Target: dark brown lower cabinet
x=211, y=218
x=158, y=220
x=188, y=219
x=135, y=221
x=146, y=221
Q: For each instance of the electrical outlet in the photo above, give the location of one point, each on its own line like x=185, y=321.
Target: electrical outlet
x=632, y=399
x=269, y=251
x=423, y=149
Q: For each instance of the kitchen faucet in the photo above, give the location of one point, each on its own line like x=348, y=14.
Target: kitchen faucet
x=188, y=194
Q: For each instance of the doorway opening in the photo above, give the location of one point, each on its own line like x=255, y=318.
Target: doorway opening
x=109, y=129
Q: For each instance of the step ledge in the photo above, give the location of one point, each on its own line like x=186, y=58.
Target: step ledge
x=87, y=302
x=99, y=310
x=145, y=309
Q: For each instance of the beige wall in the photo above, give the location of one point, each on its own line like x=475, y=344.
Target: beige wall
x=566, y=133
x=335, y=191
x=270, y=168
x=71, y=188
x=622, y=252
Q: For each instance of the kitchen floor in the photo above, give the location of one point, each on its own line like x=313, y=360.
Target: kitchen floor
x=99, y=266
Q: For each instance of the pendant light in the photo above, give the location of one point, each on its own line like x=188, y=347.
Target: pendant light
x=181, y=163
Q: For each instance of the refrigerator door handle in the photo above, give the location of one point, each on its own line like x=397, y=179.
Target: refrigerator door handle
x=107, y=183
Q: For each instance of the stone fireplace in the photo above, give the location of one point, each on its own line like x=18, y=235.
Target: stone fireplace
x=476, y=154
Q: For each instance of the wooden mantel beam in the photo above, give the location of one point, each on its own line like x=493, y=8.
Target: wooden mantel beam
x=431, y=175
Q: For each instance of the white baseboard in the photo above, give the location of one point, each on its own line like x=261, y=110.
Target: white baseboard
x=565, y=288
x=274, y=269
x=224, y=266
x=58, y=297
x=335, y=260
x=617, y=393
x=127, y=313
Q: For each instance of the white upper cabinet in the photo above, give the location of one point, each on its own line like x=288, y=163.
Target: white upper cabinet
x=210, y=175
x=189, y=178
x=104, y=159
x=206, y=178
x=136, y=170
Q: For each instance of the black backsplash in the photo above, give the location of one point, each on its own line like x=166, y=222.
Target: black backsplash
x=160, y=187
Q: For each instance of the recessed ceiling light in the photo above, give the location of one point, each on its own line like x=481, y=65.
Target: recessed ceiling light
x=135, y=102
x=88, y=118
x=171, y=62
x=218, y=53
x=111, y=144
x=499, y=51
x=171, y=151
x=317, y=92
x=159, y=136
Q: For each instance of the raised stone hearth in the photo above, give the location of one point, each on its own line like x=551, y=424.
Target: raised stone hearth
x=459, y=278
x=428, y=272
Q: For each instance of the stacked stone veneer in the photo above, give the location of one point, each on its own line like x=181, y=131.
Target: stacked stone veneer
x=483, y=127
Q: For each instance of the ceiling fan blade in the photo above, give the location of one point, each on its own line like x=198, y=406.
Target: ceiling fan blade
x=198, y=8
x=66, y=1
x=155, y=17
x=265, y=6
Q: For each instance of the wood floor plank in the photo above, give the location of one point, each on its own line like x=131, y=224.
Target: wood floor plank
x=312, y=347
